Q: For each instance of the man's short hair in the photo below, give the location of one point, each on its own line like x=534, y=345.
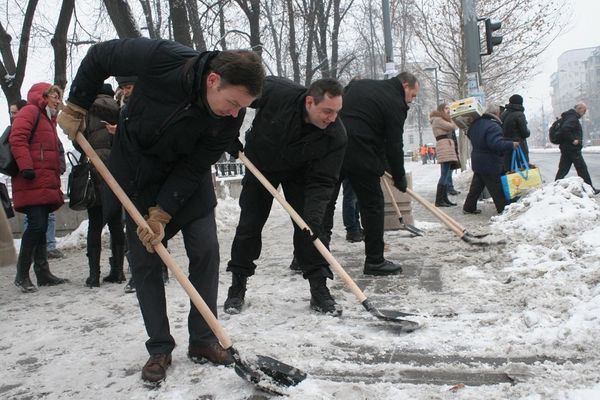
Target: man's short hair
x=409, y=78
x=493, y=108
x=240, y=68
x=320, y=87
x=19, y=103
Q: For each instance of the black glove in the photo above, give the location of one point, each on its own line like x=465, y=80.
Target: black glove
x=311, y=234
x=400, y=183
x=234, y=148
x=28, y=174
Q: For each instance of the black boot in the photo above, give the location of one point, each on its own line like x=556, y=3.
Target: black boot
x=321, y=299
x=236, y=294
x=295, y=266
x=22, y=280
x=42, y=268
x=384, y=268
x=440, y=201
x=446, y=199
x=165, y=274
x=116, y=274
x=94, y=262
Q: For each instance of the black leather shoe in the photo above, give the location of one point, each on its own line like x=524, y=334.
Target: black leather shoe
x=355, y=236
x=295, y=266
x=384, y=268
x=321, y=299
x=213, y=352
x=471, y=212
x=156, y=367
x=453, y=192
x=25, y=285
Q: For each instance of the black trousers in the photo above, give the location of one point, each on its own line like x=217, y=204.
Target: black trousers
x=95, y=225
x=202, y=249
x=571, y=155
x=35, y=233
x=255, y=204
x=370, y=202
x=493, y=183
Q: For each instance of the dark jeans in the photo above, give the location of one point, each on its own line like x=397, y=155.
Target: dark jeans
x=350, y=213
x=202, y=249
x=493, y=184
x=571, y=155
x=370, y=202
x=445, y=173
x=95, y=225
x=35, y=232
x=255, y=204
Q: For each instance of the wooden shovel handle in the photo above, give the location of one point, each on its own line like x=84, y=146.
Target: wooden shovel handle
x=300, y=222
x=452, y=224
x=392, y=198
x=160, y=249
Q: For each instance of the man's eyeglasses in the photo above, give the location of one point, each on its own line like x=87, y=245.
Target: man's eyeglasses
x=54, y=97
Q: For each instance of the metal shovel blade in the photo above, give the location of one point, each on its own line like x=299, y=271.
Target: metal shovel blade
x=268, y=374
x=481, y=241
x=392, y=316
x=411, y=228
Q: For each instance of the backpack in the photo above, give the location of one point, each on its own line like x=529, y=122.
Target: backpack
x=8, y=165
x=554, y=131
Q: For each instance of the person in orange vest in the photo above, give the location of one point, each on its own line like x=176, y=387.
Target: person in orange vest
x=423, y=151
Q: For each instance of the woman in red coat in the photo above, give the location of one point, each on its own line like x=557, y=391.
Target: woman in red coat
x=36, y=188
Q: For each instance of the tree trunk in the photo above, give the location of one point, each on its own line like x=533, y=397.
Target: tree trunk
x=180, y=23
x=252, y=10
x=122, y=18
x=153, y=31
x=294, y=56
x=59, y=43
x=198, y=35
x=268, y=9
x=12, y=74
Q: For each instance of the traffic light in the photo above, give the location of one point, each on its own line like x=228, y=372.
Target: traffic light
x=490, y=39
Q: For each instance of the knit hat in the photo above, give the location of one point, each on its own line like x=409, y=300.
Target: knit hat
x=125, y=80
x=107, y=90
x=516, y=99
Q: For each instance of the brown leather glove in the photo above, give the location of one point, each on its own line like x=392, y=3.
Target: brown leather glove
x=157, y=219
x=72, y=120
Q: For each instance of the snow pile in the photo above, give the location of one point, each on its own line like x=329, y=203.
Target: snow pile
x=557, y=212
x=554, y=241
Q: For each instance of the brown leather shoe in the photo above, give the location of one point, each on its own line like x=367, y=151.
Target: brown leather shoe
x=155, y=369
x=212, y=352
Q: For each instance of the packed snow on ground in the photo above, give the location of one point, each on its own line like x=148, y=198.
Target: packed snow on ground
x=538, y=295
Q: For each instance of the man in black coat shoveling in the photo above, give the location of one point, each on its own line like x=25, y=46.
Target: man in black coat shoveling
x=296, y=140
x=187, y=108
x=374, y=114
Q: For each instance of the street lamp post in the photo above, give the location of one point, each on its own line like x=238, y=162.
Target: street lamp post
x=437, y=87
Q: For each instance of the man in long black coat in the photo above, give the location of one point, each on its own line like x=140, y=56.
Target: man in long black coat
x=187, y=108
x=298, y=141
x=571, y=143
x=374, y=114
x=514, y=127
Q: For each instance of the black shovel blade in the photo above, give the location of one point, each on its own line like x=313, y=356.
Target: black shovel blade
x=268, y=374
x=392, y=316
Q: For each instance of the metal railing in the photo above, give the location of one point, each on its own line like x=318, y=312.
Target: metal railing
x=229, y=169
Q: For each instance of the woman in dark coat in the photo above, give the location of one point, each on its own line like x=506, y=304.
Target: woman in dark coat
x=36, y=188
x=104, y=111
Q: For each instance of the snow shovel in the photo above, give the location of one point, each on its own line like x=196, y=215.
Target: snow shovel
x=407, y=227
x=270, y=374
x=387, y=315
x=451, y=223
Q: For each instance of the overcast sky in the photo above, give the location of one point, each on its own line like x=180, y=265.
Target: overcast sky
x=584, y=32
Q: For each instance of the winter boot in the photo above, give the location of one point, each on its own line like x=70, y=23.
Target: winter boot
x=446, y=199
x=116, y=274
x=384, y=268
x=94, y=261
x=22, y=280
x=236, y=294
x=321, y=299
x=295, y=266
x=440, y=200
x=42, y=268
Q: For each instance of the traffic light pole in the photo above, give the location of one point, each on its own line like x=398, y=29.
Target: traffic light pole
x=390, y=69
x=472, y=46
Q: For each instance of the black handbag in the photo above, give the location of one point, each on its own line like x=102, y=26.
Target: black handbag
x=80, y=189
x=8, y=164
x=5, y=200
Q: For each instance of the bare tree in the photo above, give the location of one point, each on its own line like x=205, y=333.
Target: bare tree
x=252, y=10
x=294, y=55
x=122, y=18
x=59, y=43
x=275, y=27
x=13, y=73
x=179, y=22
x=152, y=23
x=196, y=25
